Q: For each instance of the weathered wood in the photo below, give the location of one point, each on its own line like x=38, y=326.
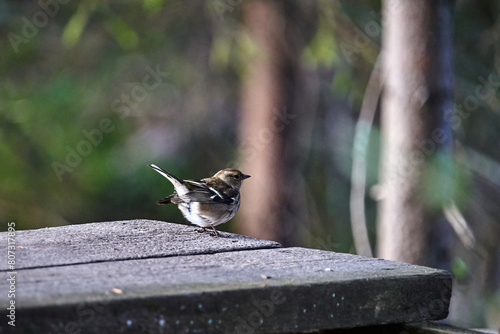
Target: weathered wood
x=273, y=290
x=118, y=240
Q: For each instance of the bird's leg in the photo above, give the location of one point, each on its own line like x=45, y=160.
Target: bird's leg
x=201, y=231
x=215, y=231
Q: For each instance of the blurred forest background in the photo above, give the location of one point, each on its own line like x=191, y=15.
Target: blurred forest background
x=93, y=91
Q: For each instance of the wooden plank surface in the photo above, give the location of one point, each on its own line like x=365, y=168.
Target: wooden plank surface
x=118, y=240
x=267, y=290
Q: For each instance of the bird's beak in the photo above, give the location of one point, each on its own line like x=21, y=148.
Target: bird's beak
x=245, y=176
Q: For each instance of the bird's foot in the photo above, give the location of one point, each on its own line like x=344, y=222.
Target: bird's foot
x=216, y=233
x=201, y=230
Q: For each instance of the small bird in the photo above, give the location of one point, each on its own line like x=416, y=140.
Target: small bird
x=208, y=202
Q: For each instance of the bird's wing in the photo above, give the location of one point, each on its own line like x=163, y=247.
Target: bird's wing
x=205, y=195
x=191, y=184
x=229, y=193
x=202, y=190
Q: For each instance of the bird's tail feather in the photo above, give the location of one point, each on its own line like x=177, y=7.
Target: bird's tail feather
x=179, y=186
x=165, y=200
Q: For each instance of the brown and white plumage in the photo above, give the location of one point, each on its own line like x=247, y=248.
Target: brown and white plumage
x=208, y=202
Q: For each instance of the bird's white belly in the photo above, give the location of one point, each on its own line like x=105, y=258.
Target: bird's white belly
x=191, y=212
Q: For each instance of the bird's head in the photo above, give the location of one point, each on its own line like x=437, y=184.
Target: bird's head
x=231, y=177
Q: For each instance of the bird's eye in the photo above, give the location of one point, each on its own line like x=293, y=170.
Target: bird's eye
x=236, y=176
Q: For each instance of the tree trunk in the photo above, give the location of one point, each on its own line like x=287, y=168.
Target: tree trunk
x=418, y=90
x=261, y=133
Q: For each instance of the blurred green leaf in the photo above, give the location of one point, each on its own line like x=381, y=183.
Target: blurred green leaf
x=342, y=81
x=459, y=268
x=323, y=48
x=126, y=37
x=153, y=6
x=445, y=181
x=73, y=31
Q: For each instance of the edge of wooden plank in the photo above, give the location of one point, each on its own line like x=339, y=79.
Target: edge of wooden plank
x=380, y=292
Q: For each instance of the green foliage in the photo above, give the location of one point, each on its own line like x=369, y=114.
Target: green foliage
x=445, y=181
x=322, y=50
x=459, y=268
x=153, y=6
x=126, y=37
x=74, y=29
